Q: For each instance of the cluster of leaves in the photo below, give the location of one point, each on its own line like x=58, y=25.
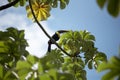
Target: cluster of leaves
x=16, y=63
x=82, y=42
x=12, y=45
x=12, y=48
x=54, y=3
x=113, y=6
x=112, y=67
x=46, y=68
x=41, y=8
x=20, y=3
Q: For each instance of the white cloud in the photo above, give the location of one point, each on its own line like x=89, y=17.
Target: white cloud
x=37, y=39
x=34, y=35
x=2, y=2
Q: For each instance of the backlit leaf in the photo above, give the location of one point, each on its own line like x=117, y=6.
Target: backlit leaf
x=1, y=72
x=45, y=77
x=22, y=65
x=101, y=3
x=63, y=3
x=90, y=64
x=41, y=10
x=113, y=68
x=114, y=7
x=20, y=3
x=110, y=75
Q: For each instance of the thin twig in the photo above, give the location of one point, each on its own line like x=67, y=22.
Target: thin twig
x=45, y=30
x=8, y=5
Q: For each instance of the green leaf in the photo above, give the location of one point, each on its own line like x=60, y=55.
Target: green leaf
x=20, y=3
x=89, y=37
x=23, y=73
x=77, y=35
x=45, y=77
x=65, y=76
x=21, y=34
x=41, y=10
x=67, y=2
x=84, y=34
x=110, y=75
x=13, y=44
x=9, y=76
x=103, y=66
x=1, y=72
x=116, y=61
x=53, y=74
x=100, y=56
x=55, y=4
x=90, y=64
x=113, y=67
x=101, y=3
x=16, y=5
x=83, y=75
x=62, y=4
x=3, y=47
x=31, y=59
x=22, y=65
x=114, y=7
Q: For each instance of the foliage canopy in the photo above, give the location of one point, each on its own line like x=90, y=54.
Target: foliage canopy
x=17, y=63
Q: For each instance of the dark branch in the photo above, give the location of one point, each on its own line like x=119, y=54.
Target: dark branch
x=9, y=5
x=45, y=31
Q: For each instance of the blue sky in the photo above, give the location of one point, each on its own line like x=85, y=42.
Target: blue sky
x=78, y=15
x=86, y=15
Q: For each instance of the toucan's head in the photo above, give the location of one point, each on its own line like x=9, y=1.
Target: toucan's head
x=56, y=36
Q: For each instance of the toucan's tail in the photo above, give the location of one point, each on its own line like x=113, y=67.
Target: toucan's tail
x=49, y=47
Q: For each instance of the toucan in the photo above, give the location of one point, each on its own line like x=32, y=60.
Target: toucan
x=56, y=37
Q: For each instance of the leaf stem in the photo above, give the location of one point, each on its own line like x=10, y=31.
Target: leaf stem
x=45, y=32
x=8, y=5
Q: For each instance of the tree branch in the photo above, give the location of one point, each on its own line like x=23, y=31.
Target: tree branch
x=45, y=31
x=8, y=5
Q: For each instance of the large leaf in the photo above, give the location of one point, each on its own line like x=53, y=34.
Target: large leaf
x=6, y=74
x=113, y=67
x=12, y=45
x=20, y=3
x=45, y=77
x=41, y=10
x=101, y=3
x=1, y=72
x=26, y=67
x=113, y=6
x=55, y=3
x=63, y=3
